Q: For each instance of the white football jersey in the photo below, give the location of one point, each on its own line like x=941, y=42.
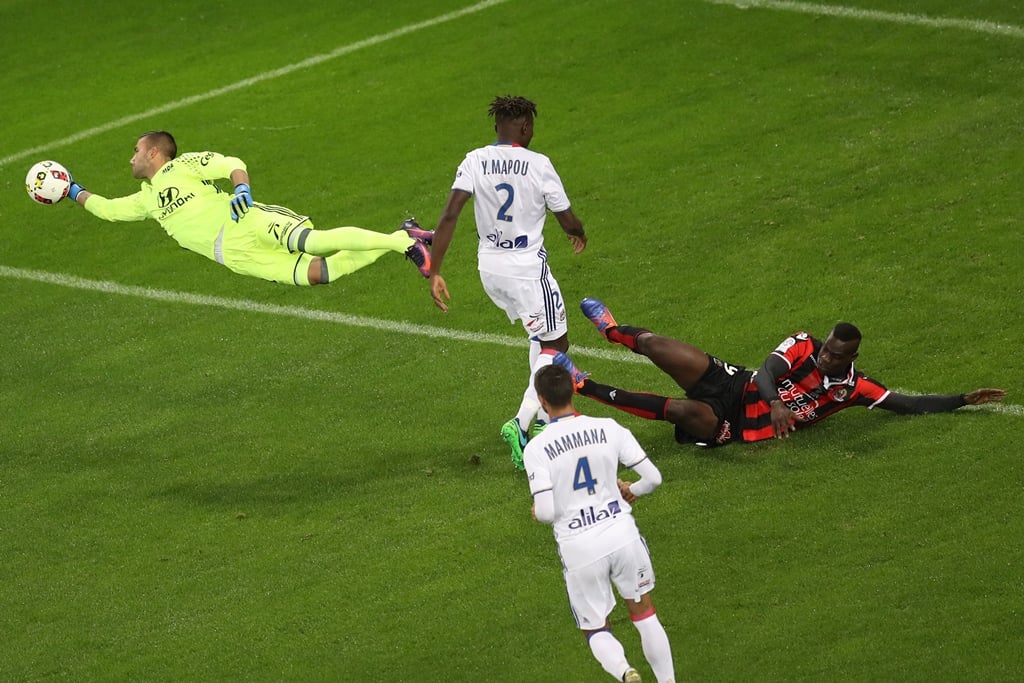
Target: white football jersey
x=512, y=190
x=578, y=458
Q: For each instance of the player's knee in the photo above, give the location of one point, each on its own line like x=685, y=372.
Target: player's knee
x=676, y=411
x=560, y=344
x=695, y=417
x=316, y=273
x=651, y=344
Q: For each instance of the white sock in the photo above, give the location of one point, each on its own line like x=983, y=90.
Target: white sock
x=530, y=405
x=609, y=653
x=656, y=648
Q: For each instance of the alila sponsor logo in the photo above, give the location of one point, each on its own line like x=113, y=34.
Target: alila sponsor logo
x=170, y=200
x=585, y=437
x=589, y=516
x=496, y=238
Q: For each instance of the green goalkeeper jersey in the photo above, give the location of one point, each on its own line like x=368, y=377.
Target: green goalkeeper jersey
x=182, y=197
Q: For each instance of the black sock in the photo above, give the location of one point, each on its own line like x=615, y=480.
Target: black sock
x=625, y=335
x=647, y=406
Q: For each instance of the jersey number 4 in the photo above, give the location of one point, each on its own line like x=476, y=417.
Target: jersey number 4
x=583, y=479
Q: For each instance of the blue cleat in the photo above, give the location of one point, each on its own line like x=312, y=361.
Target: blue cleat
x=598, y=314
x=578, y=376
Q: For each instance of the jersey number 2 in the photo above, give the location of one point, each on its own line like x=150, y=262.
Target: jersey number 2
x=583, y=479
x=503, y=214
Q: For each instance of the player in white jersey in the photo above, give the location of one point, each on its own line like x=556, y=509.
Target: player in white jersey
x=572, y=468
x=513, y=189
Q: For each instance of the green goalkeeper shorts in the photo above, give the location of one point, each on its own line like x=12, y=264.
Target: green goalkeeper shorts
x=257, y=245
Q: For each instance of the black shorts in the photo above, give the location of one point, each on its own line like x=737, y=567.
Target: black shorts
x=721, y=387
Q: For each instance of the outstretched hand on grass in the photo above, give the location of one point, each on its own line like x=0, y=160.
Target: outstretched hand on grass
x=979, y=396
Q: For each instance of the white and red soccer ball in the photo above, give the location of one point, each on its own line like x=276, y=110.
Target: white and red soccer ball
x=47, y=182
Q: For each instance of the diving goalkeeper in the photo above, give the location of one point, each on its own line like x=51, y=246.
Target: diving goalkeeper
x=251, y=238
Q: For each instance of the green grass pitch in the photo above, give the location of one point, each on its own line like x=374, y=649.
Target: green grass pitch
x=199, y=492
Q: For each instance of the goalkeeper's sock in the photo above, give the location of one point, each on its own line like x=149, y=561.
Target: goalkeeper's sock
x=625, y=335
x=327, y=242
x=345, y=262
x=609, y=653
x=654, y=642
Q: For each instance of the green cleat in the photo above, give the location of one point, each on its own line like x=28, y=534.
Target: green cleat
x=515, y=437
x=537, y=428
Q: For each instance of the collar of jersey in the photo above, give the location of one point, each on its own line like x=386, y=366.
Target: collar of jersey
x=828, y=382
x=499, y=143
x=563, y=417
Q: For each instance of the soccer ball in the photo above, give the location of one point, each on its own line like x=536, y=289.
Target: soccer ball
x=47, y=182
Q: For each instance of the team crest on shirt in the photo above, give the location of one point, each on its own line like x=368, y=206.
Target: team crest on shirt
x=840, y=394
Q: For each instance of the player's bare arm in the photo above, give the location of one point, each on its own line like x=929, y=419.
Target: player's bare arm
x=573, y=227
x=904, y=404
x=443, y=234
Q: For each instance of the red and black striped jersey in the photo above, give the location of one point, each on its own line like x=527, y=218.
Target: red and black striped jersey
x=810, y=395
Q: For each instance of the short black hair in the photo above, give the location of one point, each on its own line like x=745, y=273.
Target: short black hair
x=846, y=332
x=554, y=383
x=164, y=141
x=511, y=107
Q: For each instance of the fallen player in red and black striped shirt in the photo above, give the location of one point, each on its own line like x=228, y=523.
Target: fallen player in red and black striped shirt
x=803, y=381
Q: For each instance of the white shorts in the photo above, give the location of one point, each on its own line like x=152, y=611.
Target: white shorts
x=590, y=586
x=537, y=303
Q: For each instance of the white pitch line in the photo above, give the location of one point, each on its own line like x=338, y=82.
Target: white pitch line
x=245, y=83
x=248, y=306
x=978, y=26
x=807, y=8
